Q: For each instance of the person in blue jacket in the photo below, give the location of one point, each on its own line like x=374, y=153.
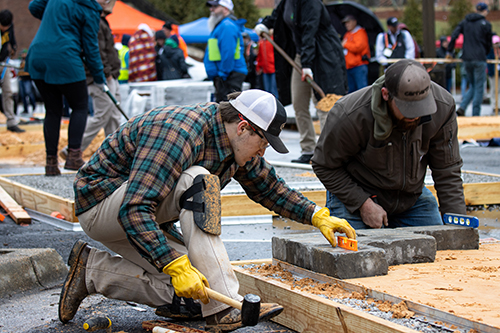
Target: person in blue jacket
x=224, y=60
x=66, y=38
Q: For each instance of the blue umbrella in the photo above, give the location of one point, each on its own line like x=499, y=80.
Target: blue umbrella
x=196, y=32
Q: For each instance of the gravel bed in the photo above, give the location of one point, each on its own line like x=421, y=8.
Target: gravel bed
x=416, y=322
x=63, y=185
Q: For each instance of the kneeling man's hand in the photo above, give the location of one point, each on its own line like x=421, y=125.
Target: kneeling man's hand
x=187, y=281
x=328, y=225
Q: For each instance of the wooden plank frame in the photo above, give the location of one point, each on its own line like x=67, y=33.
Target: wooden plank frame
x=306, y=312
x=232, y=205
x=40, y=201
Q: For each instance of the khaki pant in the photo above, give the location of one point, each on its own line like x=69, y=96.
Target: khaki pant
x=132, y=278
x=7, y=101
x=301, y=95
x=106, y=114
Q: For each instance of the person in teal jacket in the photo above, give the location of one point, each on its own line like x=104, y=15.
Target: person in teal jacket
x=224, y=60
x=67, y=36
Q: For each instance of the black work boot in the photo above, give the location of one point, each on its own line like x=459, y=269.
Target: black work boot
x=304, y=158
x=52, y=166
x=74, y=289
x=74, y=160
x=460, y=112
x=229, y=319
x=187, y=311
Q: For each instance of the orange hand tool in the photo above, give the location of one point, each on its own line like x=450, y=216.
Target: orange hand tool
x=346, y=243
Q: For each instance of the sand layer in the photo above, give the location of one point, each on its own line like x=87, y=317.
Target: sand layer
x=464, y=283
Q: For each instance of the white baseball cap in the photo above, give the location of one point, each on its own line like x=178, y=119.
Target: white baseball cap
x=226, y=3
x=265, y=111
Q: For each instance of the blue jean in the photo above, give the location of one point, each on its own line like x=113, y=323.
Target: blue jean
x=27, y=94
x=476, y=75
x=423, y=213
x=270, y=83
x=357, y=77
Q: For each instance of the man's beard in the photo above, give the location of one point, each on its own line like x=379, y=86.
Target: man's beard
x=213, y=20
x=401, y=123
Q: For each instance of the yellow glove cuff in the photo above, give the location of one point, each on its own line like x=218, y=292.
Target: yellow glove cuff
x=177, y=266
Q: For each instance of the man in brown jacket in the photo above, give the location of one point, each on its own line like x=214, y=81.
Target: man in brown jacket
x=106, y=114
x=373, y=152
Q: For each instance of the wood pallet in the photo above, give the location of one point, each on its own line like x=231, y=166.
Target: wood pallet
x=306, y=312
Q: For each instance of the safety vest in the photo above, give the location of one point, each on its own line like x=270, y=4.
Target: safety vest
x=399, y=47
x=123, y=64
x=214, y=52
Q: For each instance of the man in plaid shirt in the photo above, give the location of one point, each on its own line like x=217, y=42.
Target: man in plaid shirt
x=147, y=175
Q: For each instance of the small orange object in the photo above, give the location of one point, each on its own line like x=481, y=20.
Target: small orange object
x=2, y=217
x=346, y=243
x=57, y=215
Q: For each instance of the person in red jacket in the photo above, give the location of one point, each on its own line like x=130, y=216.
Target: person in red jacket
x=357, y=53
x=265, y=66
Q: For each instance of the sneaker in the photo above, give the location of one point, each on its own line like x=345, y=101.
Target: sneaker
x=230, y=319
x=15, y=129
x=304, y=158
x=460, y=112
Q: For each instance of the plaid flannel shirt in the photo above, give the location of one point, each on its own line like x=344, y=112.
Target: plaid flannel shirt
x=152, y=150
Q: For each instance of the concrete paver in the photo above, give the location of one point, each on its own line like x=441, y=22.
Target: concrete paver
x=377, y=249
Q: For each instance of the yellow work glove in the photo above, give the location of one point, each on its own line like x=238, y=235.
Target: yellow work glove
x=187, y=281
x=328, y=225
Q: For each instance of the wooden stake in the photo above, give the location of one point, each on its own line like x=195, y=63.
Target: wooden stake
x=16, y=212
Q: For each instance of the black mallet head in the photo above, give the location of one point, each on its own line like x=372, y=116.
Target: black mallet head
x=250, y=310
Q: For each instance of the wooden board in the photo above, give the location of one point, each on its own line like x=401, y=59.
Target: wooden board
x=20, y=150
x=305, y=312
x=241, y=204
x=40, y=201
x=16, y=212
x=476, y=128
x=232, y=205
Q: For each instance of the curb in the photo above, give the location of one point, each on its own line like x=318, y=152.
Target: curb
x=25, y=269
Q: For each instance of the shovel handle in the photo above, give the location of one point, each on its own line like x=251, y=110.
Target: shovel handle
x=216, y=296
x=294, y=64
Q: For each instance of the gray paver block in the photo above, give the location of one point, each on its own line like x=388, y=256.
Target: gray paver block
x=450, y=237
x=313, y=252
x=24, y=269
x=400, y=246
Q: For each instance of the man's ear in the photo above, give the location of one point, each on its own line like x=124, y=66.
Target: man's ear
x=242, y=125
x=385, y=93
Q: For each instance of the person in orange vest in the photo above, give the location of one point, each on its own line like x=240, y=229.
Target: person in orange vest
x=357, y=53
x=394, y=44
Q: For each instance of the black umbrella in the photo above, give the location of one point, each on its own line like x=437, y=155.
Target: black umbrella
x=365, y=18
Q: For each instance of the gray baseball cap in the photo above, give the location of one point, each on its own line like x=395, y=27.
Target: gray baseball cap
x=410, y=85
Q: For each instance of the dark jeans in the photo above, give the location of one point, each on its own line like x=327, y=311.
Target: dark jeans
x=234, y=82
x=357, y=78
x=77, y=96
x=423, y=213
x=26, y=93
x=476, y=75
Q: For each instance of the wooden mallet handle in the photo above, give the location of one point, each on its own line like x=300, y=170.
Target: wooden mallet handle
x=216, y=296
